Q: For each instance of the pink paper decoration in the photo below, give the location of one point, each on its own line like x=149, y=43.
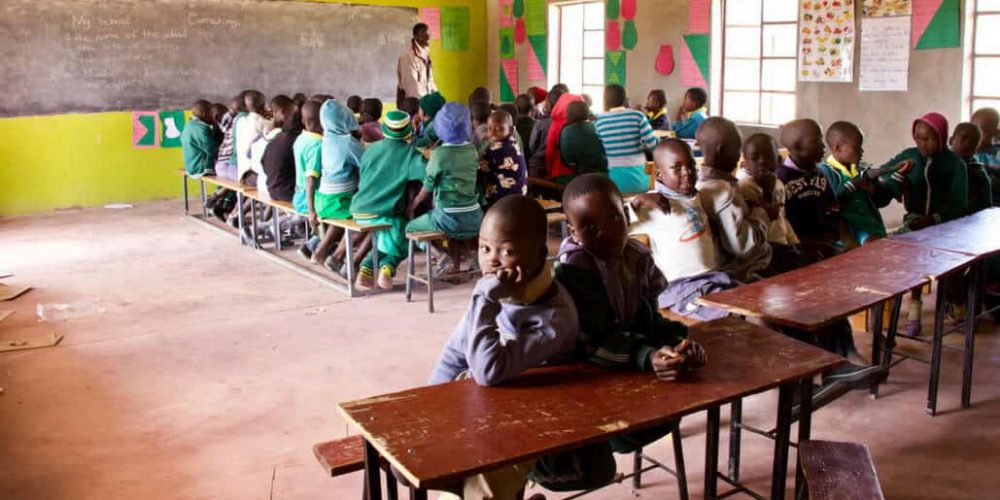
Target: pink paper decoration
x=628, y=9
x=431, y=16
x=699, y=12
x=520, y=32
x=613, y=36
x=690, y=73
x=665, y=60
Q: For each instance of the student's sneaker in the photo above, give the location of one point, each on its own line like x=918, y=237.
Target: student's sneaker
x=366, y=279
x=219, y=211
x=336, y=266
x=856, y=376
x=209, y=171
x=305, y=252
x=385, y=278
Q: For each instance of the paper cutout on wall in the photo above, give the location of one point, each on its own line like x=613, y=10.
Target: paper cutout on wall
x=885, y=54
x=614, y=67
x=518, y=8
x=612, y=9
x=699, y=16
x=455, y=28
x=506, y=13
x=935, y=24
x=612, y=36
x=506, y=43
x=144, y=133
x=508, y=80
x=537, y=58
x=534, y=17
x=826, y=41
x=694, y=61
x=630, y=37
x=628, y=9
x=431, y=16
x=171, y=126
x=664, y=64
x=885, y=8
x=520, y=33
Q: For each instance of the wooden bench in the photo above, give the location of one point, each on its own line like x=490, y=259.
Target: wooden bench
x=351, y=226
x=838, y=471
x=427, y=238
x=346, y=455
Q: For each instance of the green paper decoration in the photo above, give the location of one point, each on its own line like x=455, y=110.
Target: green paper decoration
x=518, y=8
x=171, y=126
x=506, y=91
x=455, y=28
x=942, y=32
x=700, y=52
x=506, y=43
x=539, y=44
x=534, y=17
x=612, y=10
x=614, y=67
x=630, y=37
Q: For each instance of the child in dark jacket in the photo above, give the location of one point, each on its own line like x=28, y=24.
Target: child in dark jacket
x=502, y=164
x=964, y=142
x=580, y=146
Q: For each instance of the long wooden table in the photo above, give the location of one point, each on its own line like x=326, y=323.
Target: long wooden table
x=440, y=434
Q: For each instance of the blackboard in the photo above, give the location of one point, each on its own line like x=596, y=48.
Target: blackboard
x=67, y=56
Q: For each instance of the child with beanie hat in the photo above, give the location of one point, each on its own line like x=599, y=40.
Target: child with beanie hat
x=451, y=178
x=430, y=104
x=933, y=182
x=386, y=167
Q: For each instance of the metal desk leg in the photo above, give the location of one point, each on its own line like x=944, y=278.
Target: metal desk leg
x=410, y=250
x=350, y=264
x=204, y=200
x=637, y=469
x=682, y=480
x=239, y=214
x=932, y=386
x=430, y=281
x=391, y=489
x=276, y=229
x=974, y=286
x=782, y=437
x=375, y=267
x=712, y=453
x=184, y=186
x=876, y=342
x=735, y=438
x=418, y=493
x=253, y=222
x=373, y=475
x=805, y=430
x=890, y=336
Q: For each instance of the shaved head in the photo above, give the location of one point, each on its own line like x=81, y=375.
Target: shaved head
x=720, y=142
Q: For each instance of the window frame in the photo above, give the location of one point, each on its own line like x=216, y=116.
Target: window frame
x=761, y=58
x=556, y=13
x=972, y=58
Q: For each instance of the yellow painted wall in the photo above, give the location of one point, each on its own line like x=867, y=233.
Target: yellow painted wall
x=60, y=161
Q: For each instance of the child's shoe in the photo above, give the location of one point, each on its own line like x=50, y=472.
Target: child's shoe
x=336, y=266
x=366, y=279
x=912, y=328
x=385, y=278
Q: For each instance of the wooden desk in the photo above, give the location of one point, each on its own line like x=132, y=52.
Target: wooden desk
x=976, y=234
x=440, y=434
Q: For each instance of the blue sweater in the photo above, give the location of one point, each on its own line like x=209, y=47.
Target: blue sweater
x=499, y=339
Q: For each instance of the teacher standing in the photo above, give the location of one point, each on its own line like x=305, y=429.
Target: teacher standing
x=414, y=68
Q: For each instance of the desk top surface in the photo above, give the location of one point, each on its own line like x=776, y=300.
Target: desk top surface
x=819, y=294
x=437, y=434
x=977, y=234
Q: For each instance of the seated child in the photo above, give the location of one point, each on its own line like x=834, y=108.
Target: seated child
x=386, y=167
x=680, y=235
x=810, y=199
x=580, y=146
x=964, y=142
x=308, y=152
x=219, y=112
x=225, y=165
x=279, y=158
x=430, y=104
x=934, y=185
x=988, y=120
x=537, y=146
x=371, y=113
x=249, y=128
x=341, y=156
x=741, y=243
x=480, y=112
x=625, y=134
x=656, y=110
x=483, y=95
x=554, y=166
x=518, y=318
x=502, y=164
x=858, y=197
x=299, y=99
x=199, y=142
x=538, y=96
x=411, y=106
x=765, y=195
x=524, y=120
x=259, y=146
x=451, y=179
x=355, y=104
x=691, y=113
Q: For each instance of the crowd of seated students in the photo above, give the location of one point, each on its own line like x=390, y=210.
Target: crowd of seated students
x=743, y=214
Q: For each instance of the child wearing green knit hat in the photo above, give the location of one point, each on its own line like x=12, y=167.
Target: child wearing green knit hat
x=386, y=167
x=430, y=104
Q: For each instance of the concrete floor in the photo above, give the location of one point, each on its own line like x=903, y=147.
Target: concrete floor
x=197, y=369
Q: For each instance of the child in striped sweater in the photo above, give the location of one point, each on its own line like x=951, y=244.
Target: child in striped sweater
x=625, y=133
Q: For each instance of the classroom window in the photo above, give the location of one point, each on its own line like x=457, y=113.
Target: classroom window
x=760, y=40
x=985, y=56
x=578, y=48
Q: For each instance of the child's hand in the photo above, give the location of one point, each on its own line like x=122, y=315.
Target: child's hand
x=693, y=352
x=667, y=363
x=313, y=218
x=510, y=277
x=650, y=201
x=767, y=183
x=502, y=286
x=921, y=222
x=426, y=153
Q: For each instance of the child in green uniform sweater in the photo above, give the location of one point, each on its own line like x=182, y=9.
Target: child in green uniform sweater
x=859, y=198
x=451, y=178
x=386, y=168
x=308, y=153
x=580, y=146
x=199, y=142
x=964, y=142
x=430, y=105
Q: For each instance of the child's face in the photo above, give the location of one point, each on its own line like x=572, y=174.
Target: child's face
x=597, y=222
x=926, y=139
x=675, y=169
x=653, y=103
x=501, y=247
x=760, y=159
x=989, y=128
x=847, y=150
x=234, y=106
x=498, y=128
x=964, y=145
x=689, y=103
x=810, y=149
